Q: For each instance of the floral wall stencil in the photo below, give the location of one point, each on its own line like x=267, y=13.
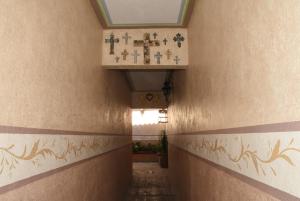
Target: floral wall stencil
x=26, y=155
x=271, y=158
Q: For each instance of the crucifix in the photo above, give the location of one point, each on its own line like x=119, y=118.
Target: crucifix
x=178, y=38
x=146, y=43
x=135, y=56
x=169, y=54
x=124, y=54
x=165, y=41
x=117, y=59
x=126, y=37
x=155, y=35
x=112, y=40
x=158, y=56
x=177, y=60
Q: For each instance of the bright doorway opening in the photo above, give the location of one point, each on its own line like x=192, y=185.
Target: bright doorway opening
x=147, y=132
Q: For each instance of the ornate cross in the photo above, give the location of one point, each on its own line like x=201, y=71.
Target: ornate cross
x=126, y=37
x=112, y=40
x=169, y=54
x=135, y=56
x=165, y=41
x=117, y=59
x=178, y=38
x=155, y=35
x=158, y=56
x=177, y=60
x=146, y=43
x=124, y=54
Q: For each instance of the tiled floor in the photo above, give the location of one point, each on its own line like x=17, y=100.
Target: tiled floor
x=150, y=183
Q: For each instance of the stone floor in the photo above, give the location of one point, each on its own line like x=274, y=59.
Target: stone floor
x=150, y=183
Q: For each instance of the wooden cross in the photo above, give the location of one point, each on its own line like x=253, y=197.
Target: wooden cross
x=117, y=59
x=158, y=56
x=155, y=35
x=165, y=41
x=112, y=40
x=146, y=43
x=177, y=60
x=178, y=38
x=126, y=37
x=124, y=54
x=135, y=56
x=169, y=54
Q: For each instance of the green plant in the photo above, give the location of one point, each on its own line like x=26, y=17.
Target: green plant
x=140, y=147
x=163, y=156
x=164, y=142
x=136, y=147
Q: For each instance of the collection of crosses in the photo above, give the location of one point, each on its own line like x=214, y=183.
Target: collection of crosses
x=146, y=43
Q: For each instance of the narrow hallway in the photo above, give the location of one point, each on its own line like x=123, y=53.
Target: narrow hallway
x=149, y=100
x=150, y=183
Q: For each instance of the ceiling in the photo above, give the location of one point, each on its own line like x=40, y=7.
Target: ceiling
x=143, y=13
x=146, y=80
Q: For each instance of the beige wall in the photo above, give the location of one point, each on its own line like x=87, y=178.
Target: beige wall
x=51, y=77
x=139, y=100
x=244, y=70
x=244, y=65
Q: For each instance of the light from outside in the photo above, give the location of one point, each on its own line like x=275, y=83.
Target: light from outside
x=144, y=117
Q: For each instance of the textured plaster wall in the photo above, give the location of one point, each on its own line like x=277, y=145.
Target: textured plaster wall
x=244, y=66
x=51, y=77
x=244, y=70
x=50, y=69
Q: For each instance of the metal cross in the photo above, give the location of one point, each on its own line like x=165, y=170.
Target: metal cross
x=146, y=43
x=169, y=54
x=117, y=59
x=112, y=40
x=135, y=56
x=124, y=54
x=178, y=38
x=158, y=56
x=126, y=37
x=155, y=35
x=177, y=60
x=165, y=41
